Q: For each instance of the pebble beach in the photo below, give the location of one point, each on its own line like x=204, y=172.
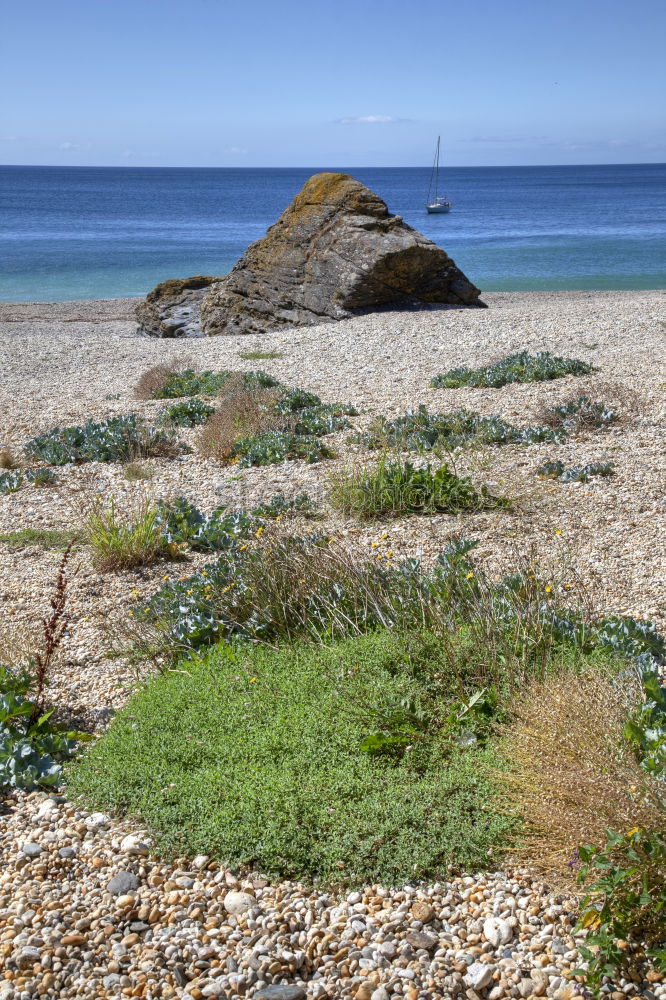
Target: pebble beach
x=86, y=910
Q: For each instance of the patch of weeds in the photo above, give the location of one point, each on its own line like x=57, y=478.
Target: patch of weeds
x=322, y=418
x=7, y=459
x=274, y=447
x=188, y=413
x=209, y=383
x=45, y=538
x=120, y=541
x=279, y=505
x=10, y=481
x=575, y=473
x=138, y=471
x=419, y=430
x=580, y=414
x=184, y=526
x=41, y=477
x=260, y=355
x=521, y=367
x=397, y=487
x=117, y=439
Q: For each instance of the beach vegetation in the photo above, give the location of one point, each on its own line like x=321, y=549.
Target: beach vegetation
x=394, y=487
x=187, y=413
x=7, y=458
x=521, y=367
x=268, y=355
x=10, y=481
x=117, y=439
x=556, y=469
x=138, y=471
x=44, y=538
x=419, y=430
x=580, y=413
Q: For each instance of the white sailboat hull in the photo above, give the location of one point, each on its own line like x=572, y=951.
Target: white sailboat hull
x=438, y=209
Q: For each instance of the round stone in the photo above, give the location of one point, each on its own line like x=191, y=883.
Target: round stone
x=238, y=902
x=122, y=883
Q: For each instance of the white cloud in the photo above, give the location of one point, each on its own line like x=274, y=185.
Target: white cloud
x=236, y=150
x=370, y=120
x=69, y=147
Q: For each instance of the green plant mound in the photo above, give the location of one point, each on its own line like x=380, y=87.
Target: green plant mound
x=114, y=440
x=209, y=383
x=261, y=758
x=521, y=367
x=419, y=430
x=574, y=473
x=398, y=487
x=581, y=413
x=188, y=413
x=273, y=447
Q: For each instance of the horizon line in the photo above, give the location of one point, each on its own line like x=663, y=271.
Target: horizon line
x=166, y=166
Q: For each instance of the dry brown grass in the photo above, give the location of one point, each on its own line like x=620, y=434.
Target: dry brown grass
x=153, y=380
x=7, y=459
x=622, y=399
x=239, y=411
x=571, y=774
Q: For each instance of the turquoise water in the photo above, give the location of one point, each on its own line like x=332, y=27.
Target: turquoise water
x=102, y=232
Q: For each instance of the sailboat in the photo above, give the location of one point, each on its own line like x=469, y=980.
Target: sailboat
x=440, y=203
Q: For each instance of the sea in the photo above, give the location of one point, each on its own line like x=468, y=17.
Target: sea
x=70, y=233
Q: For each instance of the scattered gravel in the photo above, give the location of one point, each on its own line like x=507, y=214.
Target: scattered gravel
x=84, y=910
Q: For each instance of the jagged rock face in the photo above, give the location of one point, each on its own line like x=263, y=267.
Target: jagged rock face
x=172, y=309
x=334, y=252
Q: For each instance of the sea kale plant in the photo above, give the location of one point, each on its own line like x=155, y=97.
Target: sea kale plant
x=579, y=414
x=209, y=383
x=574, y=473
x=188, y=413
x=522, y=367
x=114, y=440
x=419, y=430
x=274, y=447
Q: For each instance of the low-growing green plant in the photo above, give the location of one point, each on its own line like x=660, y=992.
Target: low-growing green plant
x=260, y=355
x=184, y=526
x=419, y=430
x=209, y=383
x=574, y=473
x=259, y=757
x=10, y=481
x=279, y=505
x=41, y=477
x=624, y=906
x=395, y=487
x=32, y=750
x=273, y=447
x=188, y=413
x=117, y=439
x=579, y=414
x=45, y=538
x=136, y=472
x=521, y=367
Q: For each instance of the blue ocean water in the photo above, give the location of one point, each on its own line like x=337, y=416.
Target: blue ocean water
x=102, y=232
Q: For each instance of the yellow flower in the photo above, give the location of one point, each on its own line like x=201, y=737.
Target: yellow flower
x=470, y=576
x=166, y=576
x=259, y=532
x=190, y=592
x=558, y=532
x=253, y=680
x=630, y=833
x=375, y=544
x=243, y=547
x=389, y=553
x=548, y=588
x=135, y=592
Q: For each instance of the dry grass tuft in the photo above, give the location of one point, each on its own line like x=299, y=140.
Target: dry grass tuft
x=123, y=539
x=571, y=774
x=154, y=379
x=7, y=459
x=240, y=411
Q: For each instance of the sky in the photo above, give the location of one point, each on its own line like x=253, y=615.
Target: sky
x=253, y=83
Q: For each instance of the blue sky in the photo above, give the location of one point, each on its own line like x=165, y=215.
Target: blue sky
x=350, y=83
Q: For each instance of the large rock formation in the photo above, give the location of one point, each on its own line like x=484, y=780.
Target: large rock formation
x=334, y=252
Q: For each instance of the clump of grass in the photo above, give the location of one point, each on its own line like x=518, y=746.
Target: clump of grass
x=420, y=430
x=521, y=367
x=241, y=411
x=138, y=471
x=575, y=473
x=117, y=439
x=153, y=380
x=7, y=458
x=570, y=772
x=395, y=487
x=281, y=775
x=45, y=538
x=260, y=355
x=124, y=540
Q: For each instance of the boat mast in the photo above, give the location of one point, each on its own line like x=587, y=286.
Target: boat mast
x=437, y=169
